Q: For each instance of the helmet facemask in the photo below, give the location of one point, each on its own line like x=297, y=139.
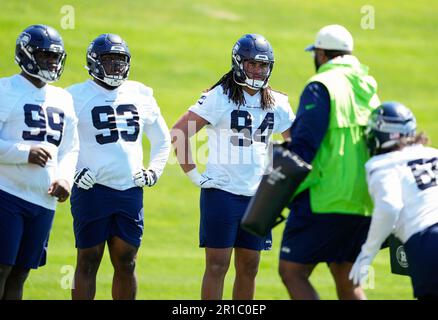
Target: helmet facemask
x=44, y=64
x=50, y=64
x=252, y=73
x=115, y=67
x=110, y=68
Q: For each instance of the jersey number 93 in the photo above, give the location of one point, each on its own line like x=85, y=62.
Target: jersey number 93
x=104, y=117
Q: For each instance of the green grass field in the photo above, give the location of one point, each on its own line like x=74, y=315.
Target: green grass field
x=179, y=48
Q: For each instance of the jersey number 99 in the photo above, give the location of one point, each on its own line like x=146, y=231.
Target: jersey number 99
x=56, y=123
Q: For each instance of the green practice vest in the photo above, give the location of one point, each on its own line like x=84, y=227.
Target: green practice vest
x=337, y=182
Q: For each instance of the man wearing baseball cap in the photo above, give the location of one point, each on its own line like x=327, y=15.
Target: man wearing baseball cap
x=330, y=211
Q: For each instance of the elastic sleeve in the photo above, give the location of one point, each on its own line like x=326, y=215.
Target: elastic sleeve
x=310, y=126
x=10, y=153
x=13, y=153
x=159, y=137
x=68, y=151
x=385, y=190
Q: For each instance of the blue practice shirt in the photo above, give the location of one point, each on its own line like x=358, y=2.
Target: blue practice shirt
x=308, y=131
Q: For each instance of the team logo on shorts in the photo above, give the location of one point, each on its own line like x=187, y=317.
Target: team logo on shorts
x=401, y=257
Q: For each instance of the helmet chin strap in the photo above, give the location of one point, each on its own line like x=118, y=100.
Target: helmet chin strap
x=39, y=76
x=109, y=81
x=113, y=82
x=48, y=76
x=251, y=83
x=255, y=84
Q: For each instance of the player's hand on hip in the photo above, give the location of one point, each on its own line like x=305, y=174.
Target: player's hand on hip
x=361, y=268
x=39, y=156
x=145, y=178
x=85, y=178
x=59, y=189
x=204, y=181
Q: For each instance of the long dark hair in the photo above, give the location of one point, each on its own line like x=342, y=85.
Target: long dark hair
x=420, y=138
x=235, y=91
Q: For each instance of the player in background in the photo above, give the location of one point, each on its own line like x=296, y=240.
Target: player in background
x=38, y=154
x=240, y=112
x=402, y=180
x=329, y=216
x=107, y=200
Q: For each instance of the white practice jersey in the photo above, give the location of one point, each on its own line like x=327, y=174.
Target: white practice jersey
x=238, y=137
x=31, y=116
x=111, y=126
x=403, y=184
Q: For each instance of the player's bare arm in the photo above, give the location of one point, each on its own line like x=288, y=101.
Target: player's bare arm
x=286, y=135
x=187, y=126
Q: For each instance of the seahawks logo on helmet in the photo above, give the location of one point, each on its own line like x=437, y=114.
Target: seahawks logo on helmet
x=235, y=48
x=251, y=47
x=23, y=39
x=40, y=39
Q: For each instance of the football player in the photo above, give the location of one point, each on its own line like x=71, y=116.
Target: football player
x=240, y=112
x=402, y=180
x=38, y=154
x=107, y=199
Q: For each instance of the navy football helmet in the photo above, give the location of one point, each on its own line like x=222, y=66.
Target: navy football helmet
x=256, y=48
x=39, y=51
x=390, y=122
x=108, y=59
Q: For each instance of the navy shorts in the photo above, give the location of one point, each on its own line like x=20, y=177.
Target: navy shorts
x=310, y=238
x=221, y=213
x=24, y=232
x=422, y=254
x=101, y=213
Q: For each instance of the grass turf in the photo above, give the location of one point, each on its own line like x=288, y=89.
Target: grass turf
x=179, y=48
